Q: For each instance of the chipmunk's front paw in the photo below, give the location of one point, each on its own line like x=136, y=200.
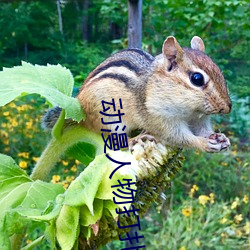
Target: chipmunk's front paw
x=217, y=142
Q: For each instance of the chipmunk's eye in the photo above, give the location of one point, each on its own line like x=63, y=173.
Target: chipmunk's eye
x=197, y=79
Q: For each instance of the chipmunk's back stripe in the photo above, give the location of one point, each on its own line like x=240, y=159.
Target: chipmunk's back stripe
x=118, y=63
x=118, y=77
x=142, y=53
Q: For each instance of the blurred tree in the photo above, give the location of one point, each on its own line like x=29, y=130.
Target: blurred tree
x=135, y=23
x=86, y=29
x=58, y=2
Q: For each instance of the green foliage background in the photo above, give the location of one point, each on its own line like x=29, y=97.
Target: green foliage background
x=30, y=32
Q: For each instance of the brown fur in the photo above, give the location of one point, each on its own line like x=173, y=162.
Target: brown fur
x=157, y=94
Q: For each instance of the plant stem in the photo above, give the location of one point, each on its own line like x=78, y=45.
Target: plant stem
x=57, y=147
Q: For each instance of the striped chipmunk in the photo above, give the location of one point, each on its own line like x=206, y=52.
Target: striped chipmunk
x=169, y=97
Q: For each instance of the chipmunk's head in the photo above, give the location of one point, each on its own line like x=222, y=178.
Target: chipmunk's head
x=198, y=77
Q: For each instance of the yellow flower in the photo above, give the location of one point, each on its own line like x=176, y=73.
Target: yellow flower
x=55, y=178
x=24, y=154
x=35, y=159
x=6, y=149
x=247, y=227
x=223, y=235
x=77, y=162
x=225, y=164
x=245, y=199
x=29, y=124
x=223, y=220
x=28, y=241
x=193, y=190
x=4, y=134
x=70, y=178
x=65, y=185
x=238, y=159
x=187, y=211
x=182, y=248
x=12, y=105
x=23, y=107
x=235, y=203
x=14, y=123
x=238, y=233
x=197, y=242
x=6, y=141
x=211, y=195
x=23, y=164
x=73, y=168
x=238, y=218
x=6, y=113
x=234, y=152
x=65, y=163
x=203, y=199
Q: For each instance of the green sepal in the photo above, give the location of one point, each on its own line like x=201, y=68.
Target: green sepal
x=86, y=218
x=58, y=127
x=111, y=207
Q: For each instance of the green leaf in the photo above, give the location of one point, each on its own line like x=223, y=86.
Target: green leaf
x=4, y=240
x=36, y=200
x=94, y=181
x=53, y=82
x=26, y=202
x=67, y=226
x=83, y=152
x=9, y=168
x=83, y=189
x=20, y=198
x=14, y=198
x=6, y=186
x=9, y=220
x=39, y=194
x=47, y=216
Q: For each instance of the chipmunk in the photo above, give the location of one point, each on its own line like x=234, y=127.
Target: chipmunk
x=170, y=96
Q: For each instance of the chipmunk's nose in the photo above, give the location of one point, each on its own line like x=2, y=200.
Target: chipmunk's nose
x=227, y=108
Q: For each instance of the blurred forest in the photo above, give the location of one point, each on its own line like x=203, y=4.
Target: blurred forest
x=81, y=33
x=208, y=204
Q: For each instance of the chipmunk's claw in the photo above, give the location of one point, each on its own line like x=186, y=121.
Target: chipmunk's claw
x=218, y=142
x=141, y=139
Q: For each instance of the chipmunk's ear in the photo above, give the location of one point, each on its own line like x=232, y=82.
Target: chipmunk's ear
x=171, y=49
x=197, y=43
